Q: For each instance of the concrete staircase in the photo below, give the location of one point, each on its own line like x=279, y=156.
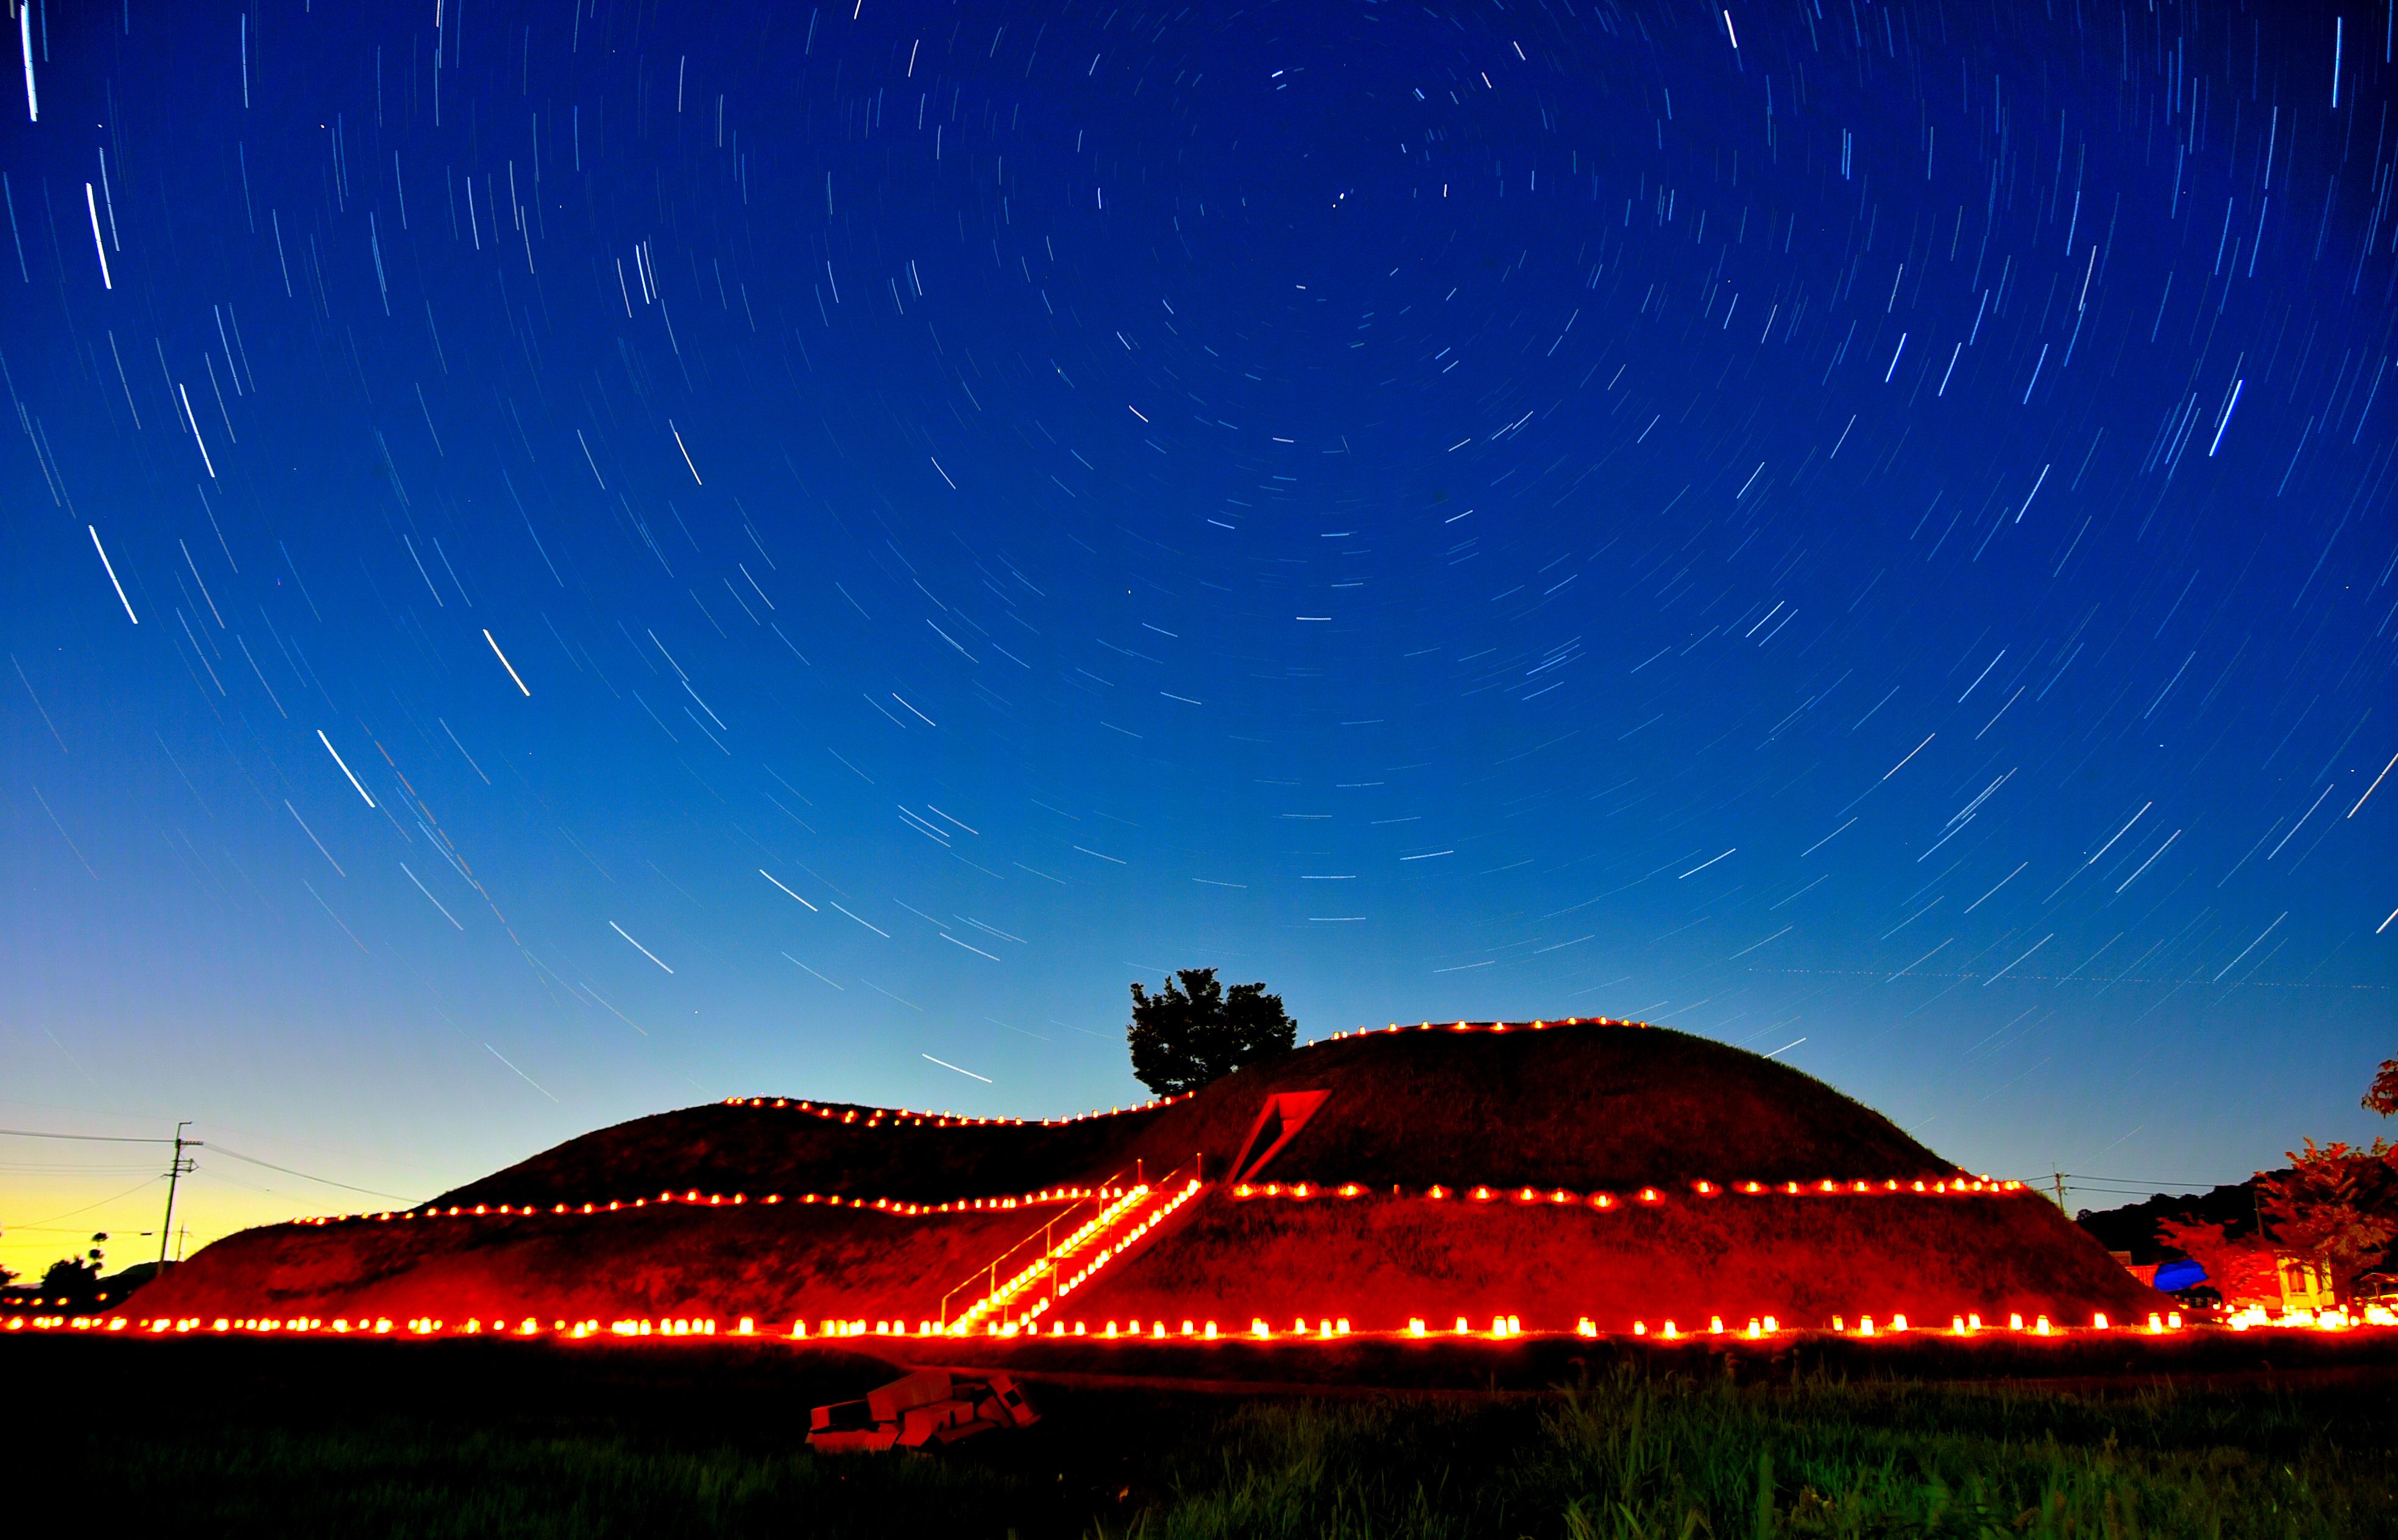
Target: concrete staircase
x=1025, y=1282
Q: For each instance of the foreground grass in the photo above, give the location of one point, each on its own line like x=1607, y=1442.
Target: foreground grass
x=1626, y=1457
x=402, y=1478
x=494, y=1440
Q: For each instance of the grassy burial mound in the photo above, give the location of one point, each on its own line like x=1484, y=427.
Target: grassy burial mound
x=1577, y=1105
x=1593, y=1173
x=782, y=1145
x=1379, y=1261
x=1550, y=1172
x=777, y=1265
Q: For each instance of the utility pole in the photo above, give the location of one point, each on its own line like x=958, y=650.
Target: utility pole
x=2060, y=1193
x=180, y=1168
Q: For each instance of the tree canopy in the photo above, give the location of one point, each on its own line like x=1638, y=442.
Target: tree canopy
x=1183, y=1037
x=70, y=1278
x=2334, y=1204
x=2382, y=1096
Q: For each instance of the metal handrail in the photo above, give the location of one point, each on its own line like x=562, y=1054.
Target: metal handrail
x=991, y=1270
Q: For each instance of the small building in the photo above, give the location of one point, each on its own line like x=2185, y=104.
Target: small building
x=2145, y=1271
x=2306, y=1283
x=2296, y=1283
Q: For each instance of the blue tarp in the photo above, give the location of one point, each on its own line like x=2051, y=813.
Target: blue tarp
x=2173, y=1277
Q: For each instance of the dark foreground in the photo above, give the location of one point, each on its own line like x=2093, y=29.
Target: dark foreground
x=491, y=1439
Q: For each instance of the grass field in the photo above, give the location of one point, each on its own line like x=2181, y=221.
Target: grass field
x=482, y=1439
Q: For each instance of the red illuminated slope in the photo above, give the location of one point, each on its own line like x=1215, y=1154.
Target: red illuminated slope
x=1593, y=1112
x=1379, y=1261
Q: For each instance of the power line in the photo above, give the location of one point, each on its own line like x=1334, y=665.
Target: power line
x=176, y=1170
x=123, y=1139
x=88, y=1138
x=286, y=1170
x=88, y=1207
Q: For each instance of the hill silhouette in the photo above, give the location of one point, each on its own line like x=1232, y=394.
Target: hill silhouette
x=1628, y=1174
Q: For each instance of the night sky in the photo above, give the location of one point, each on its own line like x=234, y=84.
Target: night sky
x=563, y=561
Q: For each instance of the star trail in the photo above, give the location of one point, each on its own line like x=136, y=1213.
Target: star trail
x=568, y=559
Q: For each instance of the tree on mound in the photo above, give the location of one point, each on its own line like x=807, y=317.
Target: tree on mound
x=1184, y=1037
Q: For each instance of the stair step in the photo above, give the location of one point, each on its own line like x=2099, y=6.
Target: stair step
x=1120, y=1227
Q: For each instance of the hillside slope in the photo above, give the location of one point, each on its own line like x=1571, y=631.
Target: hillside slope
x=1578, y=1105
x=1578, y=1119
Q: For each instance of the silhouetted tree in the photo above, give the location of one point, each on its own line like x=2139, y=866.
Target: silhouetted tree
x=1184, y=1037
x=70, y=1278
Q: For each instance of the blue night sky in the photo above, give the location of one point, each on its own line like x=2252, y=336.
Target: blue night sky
x=675, y=552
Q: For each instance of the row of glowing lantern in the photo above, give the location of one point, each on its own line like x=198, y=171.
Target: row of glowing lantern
x=1486, y=1026
x=2338, y=1319
x=1503, y=1327
x=1500, y=1327
x=898, y=1116
x=909, y=1117
x=716, y=1200
x=904, y=1117
x=1959, y=1186
x=1478, y=1194
x=418, y=1326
